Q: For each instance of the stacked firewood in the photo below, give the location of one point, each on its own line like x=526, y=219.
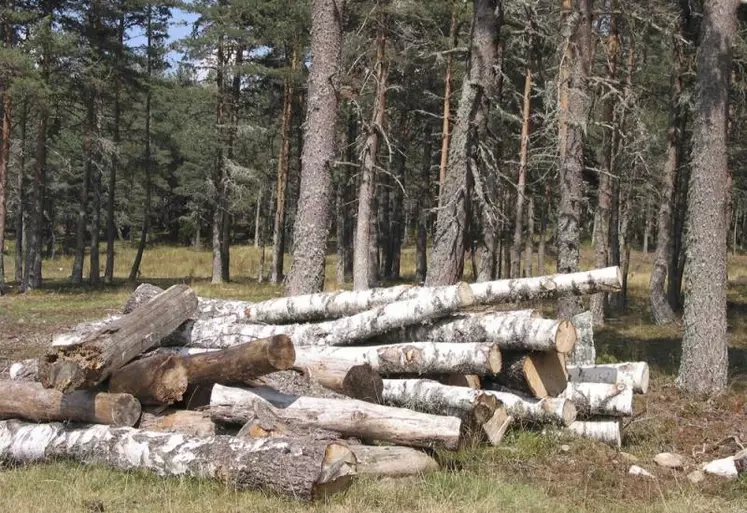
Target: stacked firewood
x=289, y=395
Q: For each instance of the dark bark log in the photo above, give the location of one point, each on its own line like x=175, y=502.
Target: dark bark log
x=346, y=377
x=155, y=380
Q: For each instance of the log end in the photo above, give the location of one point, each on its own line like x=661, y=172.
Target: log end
x=494, y=359
x=126, y=410
x=619, y=277
x=565, y=337
x=280, y=352
x=364, y=383
x=641, y=377
x=546, y=374
x=495, y=428
x=337, y=472
x=568, y=412
x=465, y=294
x=485, y=406
x=61, y=375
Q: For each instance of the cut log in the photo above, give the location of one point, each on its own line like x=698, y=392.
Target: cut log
x=155, y=380
x=263, y=422
x=31, y=401
x=608, y=431
x=420, y=358
x=26, y=370
x=495, y=429
x=584, y=353
x=293, y=382
x=510, y=332
x=600, y=399
x=535, y=374
x=392, y=461
x=345, y=377
x=550, y=410
x=461, y=380
x=93, y=359
x=349, y=417
x=348, y=330
x=279, y=465
x=187, y=422
x=631, y=374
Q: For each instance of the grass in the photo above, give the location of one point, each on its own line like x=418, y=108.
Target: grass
x=530, y=472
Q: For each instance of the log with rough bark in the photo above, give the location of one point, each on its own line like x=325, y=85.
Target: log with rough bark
x=31, y=401
x=419, y=358
x=537, y=374
x=392, y=460
x=91, y=360
x=155, y=380
x=584, y=353
x=188, y=422
x=345, y=331
x=632, y=374
x=600, y=399
x=25, y=370
x=80, y=331
x=350, y=417
x=302, y=471
x=346, y=377
x=510, y=332
x=550, y=410
x=608, y=431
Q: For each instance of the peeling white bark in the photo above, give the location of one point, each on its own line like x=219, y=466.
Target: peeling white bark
x=600, y=399
x=584, y=353
x=550, y=410
x=632, y=374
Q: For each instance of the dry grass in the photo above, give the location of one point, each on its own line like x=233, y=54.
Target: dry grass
x=530, y=472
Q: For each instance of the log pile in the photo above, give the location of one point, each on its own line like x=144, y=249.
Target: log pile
x=289, y=395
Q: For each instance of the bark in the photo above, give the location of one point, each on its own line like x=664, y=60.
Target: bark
x=93, y=359
x=80, y=230
x=346, y=377
x=600, y=399
x=550, y=410
x=703, y=368
x=634, y=375
x=94, y=273
x=21, y=188
x=536, y=374
x=448, y=86
x=25, y=370
x=420, y=358
x=584, y=353
x=32, y=278
x=155, y=380
x=521, y=183
x=449, y=242
x=301, y=471
x=312, y=218
x=31, y=401
x=529, y=250
x=574, y=71
x=392, y=461
x=219, y=178
x=422, y=206
x=608, y=431
x=187, y=422
x=5, y=152
x=258, y=222
x=543, y=232
x=349, y=417
x=278, y=237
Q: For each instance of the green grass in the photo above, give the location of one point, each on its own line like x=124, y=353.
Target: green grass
x=530, y=472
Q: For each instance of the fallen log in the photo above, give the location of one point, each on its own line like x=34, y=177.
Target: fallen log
x=25, y=370
x=80, y=331
x=31, y=401
x=155, y=380
x=421, y=358
x=608, y=431
x=631, y=374
x=584, y=352
x=301, y=471
x=550, y=410
x=345, y=377
x=217, y=333
x=592, y=399
x=537, y=374
x=93, y=359
x=350, y=417
x=188, y=422
x=392, y=461
x=510, y=332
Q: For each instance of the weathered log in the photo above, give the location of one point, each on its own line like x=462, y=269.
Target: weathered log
x=420, y=358
x=593, y=399
x=608, y=431
x=392, y=460
x=155, y=380
x=510, y=332
x=349, y=417
x=550, y=410
x=80, y=331
x=25, y=370
x=187, y=422
x=31, y=401
x=357, y=380
x=537, y=374
x=632, y=374
x=293, y=382
x=301, y=471
x=344, y=331
x=90, y=361
x=584, y=352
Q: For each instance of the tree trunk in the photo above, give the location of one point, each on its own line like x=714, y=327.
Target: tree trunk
x=31, y=401
x=80, y=231
x=419, y=358
x=521, y=184
x=21, y=188
x=155, y=380
x=703, y=368
x=574, y=71
x=296, y=469
x=219, y=177
x=529, y=251
x=612, y=400
x=349, y=417
x=97, y=157
x=448, y=86
x=312, y=218
x=4, y=159
x=392, y=461
x=93, y=359
x=449, y=243
x=536, y=374
x=550, y=410
x=631, y=374
x=543, y=232
x=608, y=431
x=422, y=206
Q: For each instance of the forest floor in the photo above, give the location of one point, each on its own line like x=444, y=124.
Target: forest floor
x=530, y=472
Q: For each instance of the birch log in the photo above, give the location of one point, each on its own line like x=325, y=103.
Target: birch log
x=345, y=331
x=155, y=380
x=600, y=399
x=392, y=460
x=90, y=361
x=349, y=417
x=631, y=374
x=537, y=374
x=278, y=465
x=418, y=358
x=550, y=410
x=584, y=353
x=608, y=431
x=31, y=401
x=510, y=332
